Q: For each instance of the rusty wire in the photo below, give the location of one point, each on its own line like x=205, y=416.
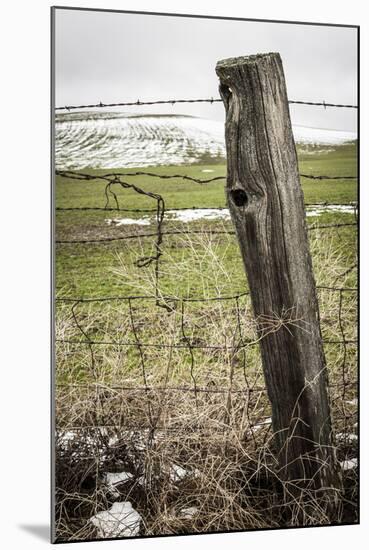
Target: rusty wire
x=70, y=174
x=313, y=227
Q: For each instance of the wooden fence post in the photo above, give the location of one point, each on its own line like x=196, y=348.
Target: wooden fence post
x=267, y=209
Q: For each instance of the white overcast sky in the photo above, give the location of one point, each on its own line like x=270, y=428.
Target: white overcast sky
x=108, y=57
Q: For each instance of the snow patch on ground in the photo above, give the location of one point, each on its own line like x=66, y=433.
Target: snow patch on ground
x=112, y=479
x=186, y=216
x=189, y=215
x=188, y=513
x=335, y=209
x=128, y=221
x=177, y=473
x=346, y=437
x=352, y=402
x=259, y=425
x=65, y=438
x=121, y=520
x=350, y=464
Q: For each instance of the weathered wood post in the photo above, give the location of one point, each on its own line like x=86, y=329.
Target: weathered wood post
x=267, y=208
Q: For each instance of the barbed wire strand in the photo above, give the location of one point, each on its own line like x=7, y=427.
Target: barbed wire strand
x=108, y=176
x=313, y=227
x=211, y=100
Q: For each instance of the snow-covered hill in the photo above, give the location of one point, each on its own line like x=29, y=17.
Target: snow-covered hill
x=320, y=136
x=117, y=140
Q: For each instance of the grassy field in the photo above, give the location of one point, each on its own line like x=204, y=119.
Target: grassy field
x=87, y=270
x=111, y=412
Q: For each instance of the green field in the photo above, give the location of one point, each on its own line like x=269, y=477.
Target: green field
x=87, y=269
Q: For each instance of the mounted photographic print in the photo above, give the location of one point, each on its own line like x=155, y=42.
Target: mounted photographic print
x=205, y=262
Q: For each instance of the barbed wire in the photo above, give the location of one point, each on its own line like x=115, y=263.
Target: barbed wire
x=180, y=429
x=211, y=100
x=192, y=343
x=313, y=227
x=352, y=204
x=160, y=417
x=186, y=345
x=116, y=178
x=312, y=177
x=183, y=388
x=184, y=298
x=88, y=177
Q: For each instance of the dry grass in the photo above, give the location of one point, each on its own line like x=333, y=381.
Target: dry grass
x=183, y=388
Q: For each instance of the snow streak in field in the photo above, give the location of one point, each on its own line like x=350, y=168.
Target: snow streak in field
x=117, y=140
x=190, y=215
x=321, y=136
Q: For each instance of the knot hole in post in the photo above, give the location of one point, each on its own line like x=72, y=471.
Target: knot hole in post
x=225, y=93
x=239, y=197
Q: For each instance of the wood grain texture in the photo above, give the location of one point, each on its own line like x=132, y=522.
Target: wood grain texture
x=267, y=208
